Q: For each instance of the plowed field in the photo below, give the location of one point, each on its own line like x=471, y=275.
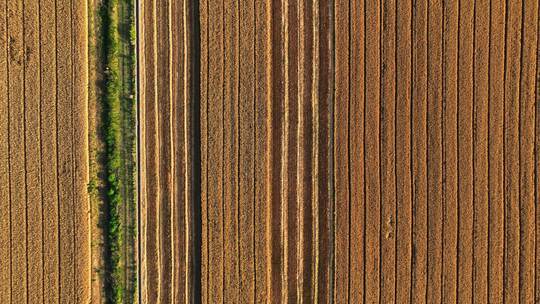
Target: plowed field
x=44, y=222
x=351, y=151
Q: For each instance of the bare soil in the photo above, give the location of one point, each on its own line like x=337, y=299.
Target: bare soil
x=45, y=224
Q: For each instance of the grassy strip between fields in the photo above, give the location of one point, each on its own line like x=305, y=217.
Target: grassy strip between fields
x=111, y=102
x=128, y=40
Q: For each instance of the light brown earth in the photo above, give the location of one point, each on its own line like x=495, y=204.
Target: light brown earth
x=352, y=151
x=45, y=211
x=455, y=126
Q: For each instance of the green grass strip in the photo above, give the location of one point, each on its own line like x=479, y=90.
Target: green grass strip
x=111, y=129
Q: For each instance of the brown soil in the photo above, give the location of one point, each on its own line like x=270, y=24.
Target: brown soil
x=17, y=159
x=387, y=160
x=33, y=153
x=166, y=174
x=5, y=235
x=150, y=217
x=49, y=176
x=45, y=230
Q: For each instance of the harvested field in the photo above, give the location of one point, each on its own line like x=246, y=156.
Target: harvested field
x=166, y=158
x=286, y=151
x=350, y=151
x=45, y=236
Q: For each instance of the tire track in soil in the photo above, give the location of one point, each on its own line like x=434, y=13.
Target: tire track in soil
x=32, y=92
x=17, y=151
x=179, y=116
x=5, y=212
x=165, y=149
x=49, y=176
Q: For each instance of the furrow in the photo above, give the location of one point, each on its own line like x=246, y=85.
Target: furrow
x=33, y=151
x=403, y=139
x=388, y=152
x=49, y=132
x=17, y=151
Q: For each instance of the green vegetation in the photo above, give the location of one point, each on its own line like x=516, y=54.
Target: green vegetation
x=128, y=39
x=117, y=37
x=111, y=127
